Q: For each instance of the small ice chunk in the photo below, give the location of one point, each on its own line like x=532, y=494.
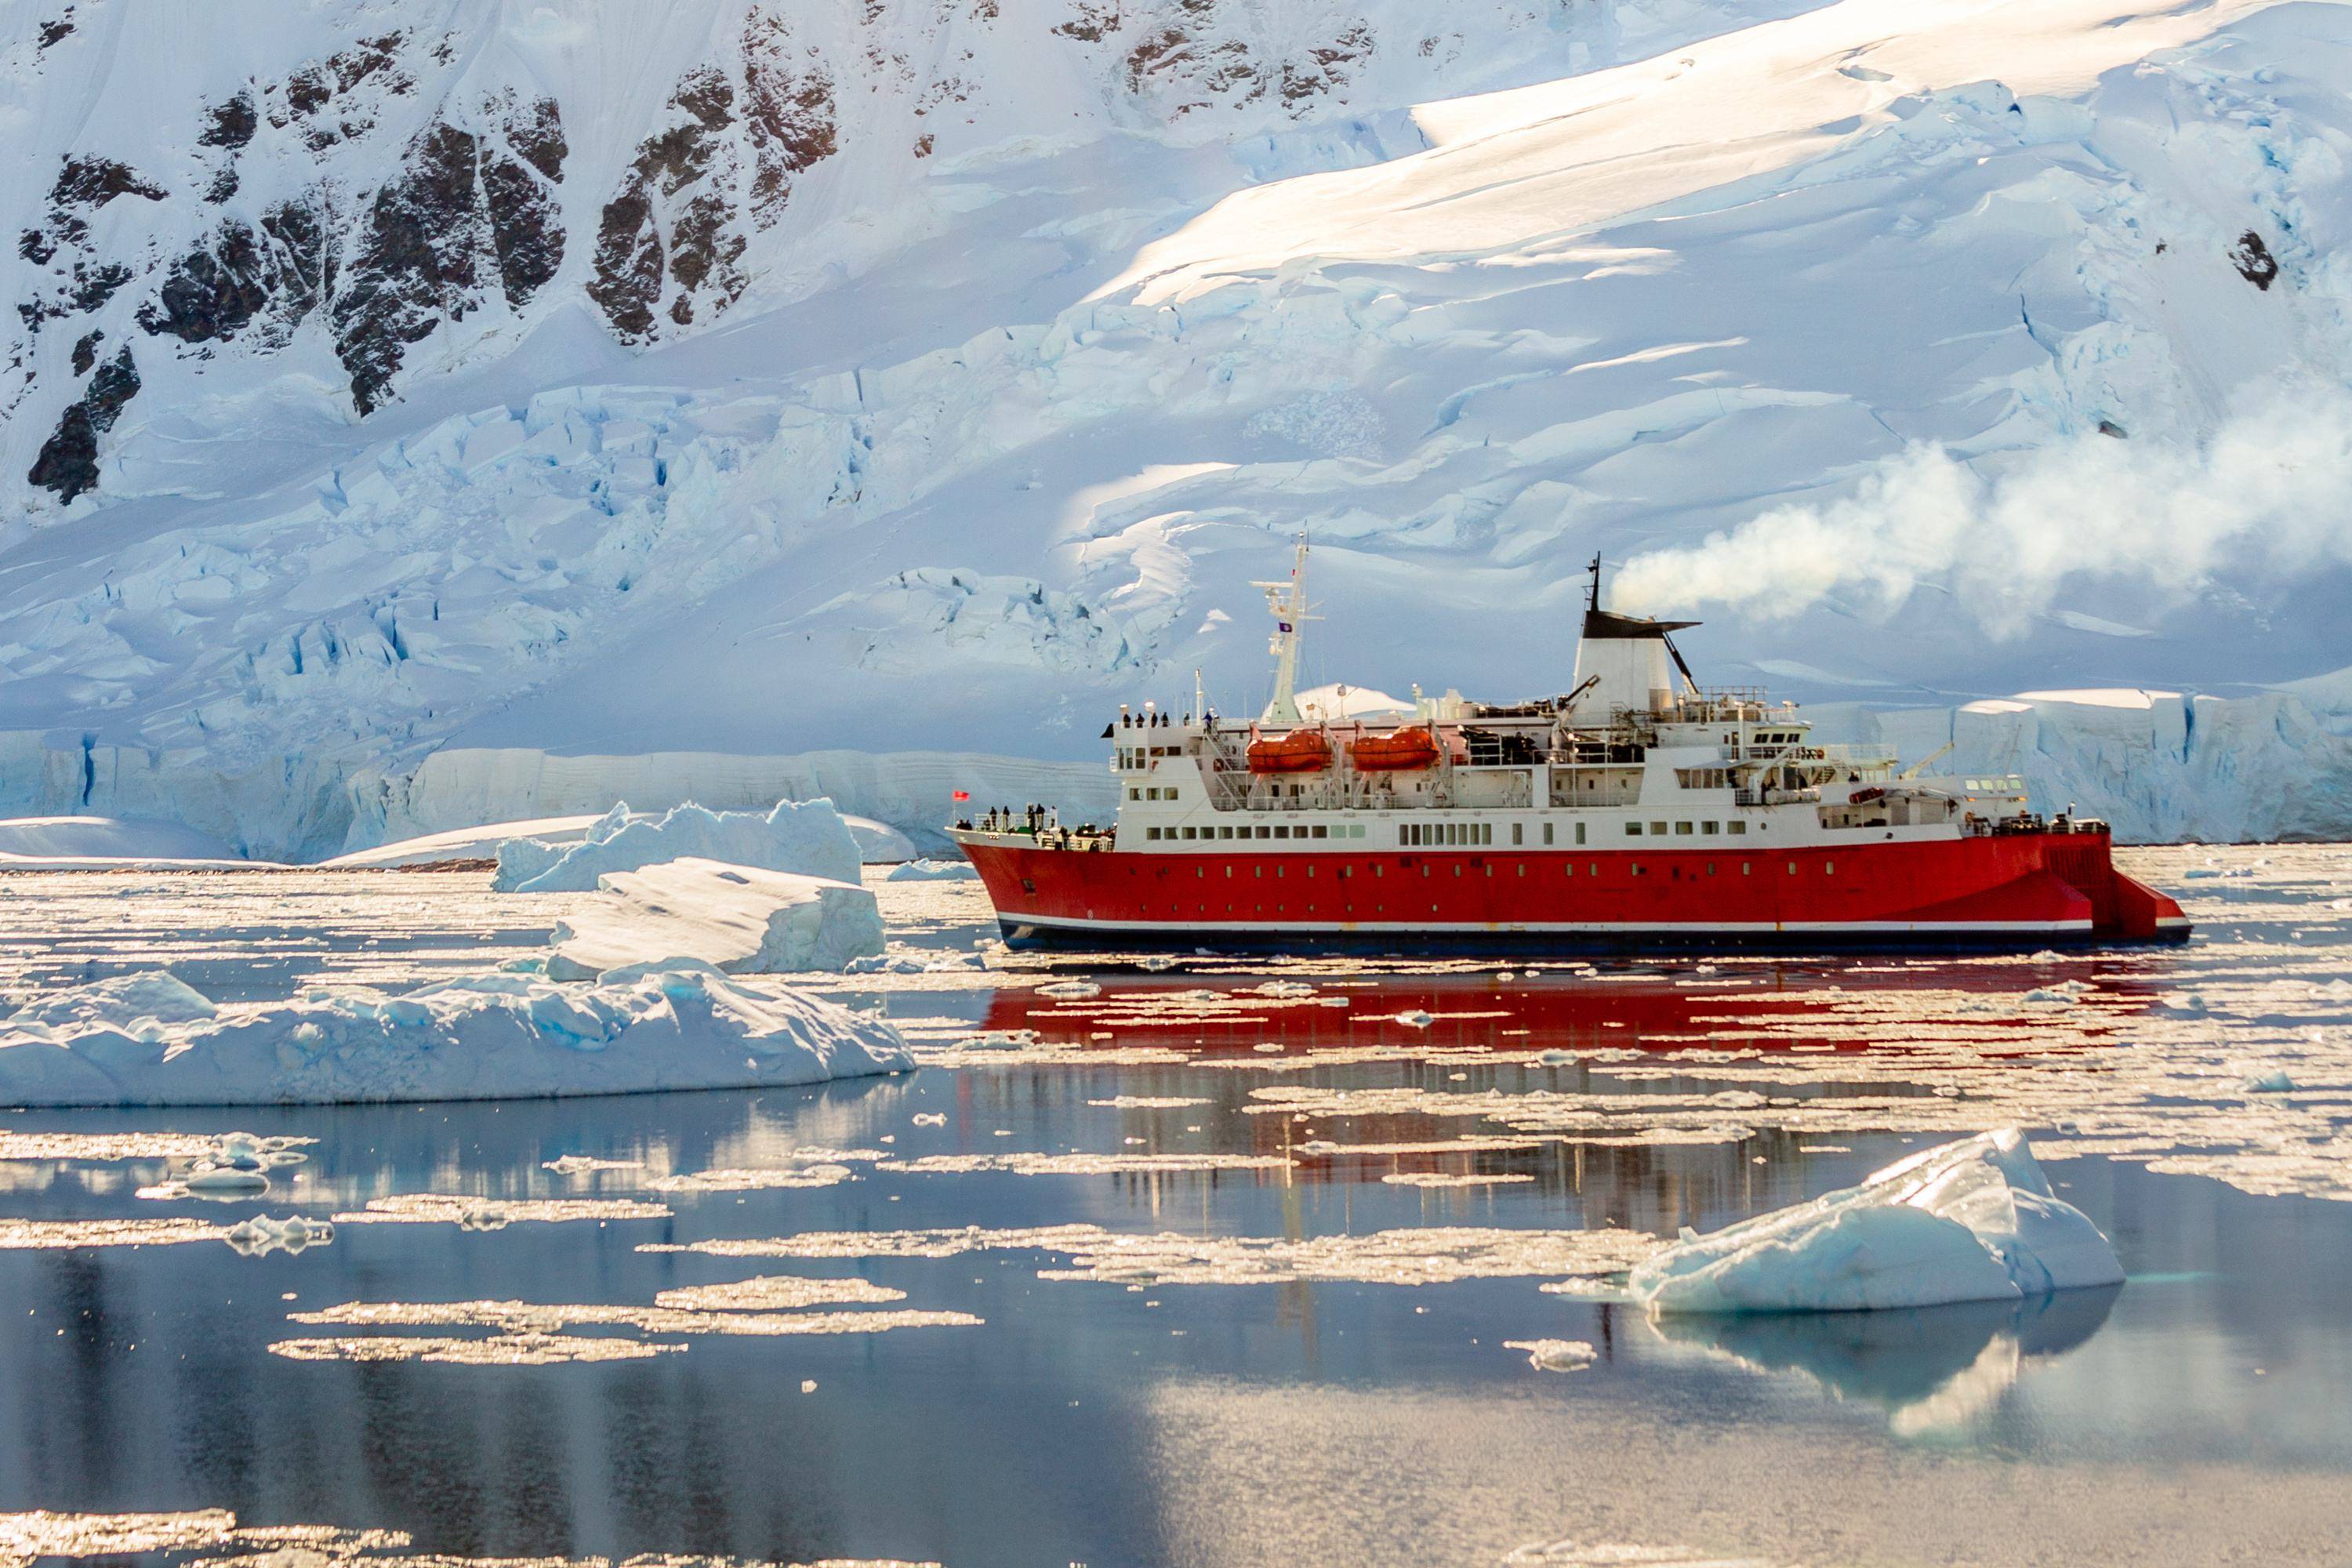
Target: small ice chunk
x=1555, y=1355
x=1971, y=1221
x=2275, y=1082
x=1069, y=990
x=1414, y=1018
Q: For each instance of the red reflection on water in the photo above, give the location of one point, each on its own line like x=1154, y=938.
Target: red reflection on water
x=1766, y=1010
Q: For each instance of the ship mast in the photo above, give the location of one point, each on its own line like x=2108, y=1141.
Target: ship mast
x=1287, y=603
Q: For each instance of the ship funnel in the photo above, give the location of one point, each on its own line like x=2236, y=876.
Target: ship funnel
x=1632, y=663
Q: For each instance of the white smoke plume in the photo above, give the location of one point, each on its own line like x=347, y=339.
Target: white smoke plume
x=2272, y=488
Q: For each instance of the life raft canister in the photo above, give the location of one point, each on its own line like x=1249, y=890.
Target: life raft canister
x=1300, y=752
x=1400, y=750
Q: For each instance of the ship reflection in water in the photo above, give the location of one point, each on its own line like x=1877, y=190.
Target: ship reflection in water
x=1767, y=1006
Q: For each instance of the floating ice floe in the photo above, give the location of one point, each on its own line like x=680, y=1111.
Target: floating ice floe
x=807, y=836
x=911, y=964
x=2273, y=1082
x=469, y=1213
x=1971, y=1221
x=1069, y=990
x=737, y=918
x=587, y=1164
x=1428, y=1255
x=479, y=1036
x=1555, y=1355
x=934, y=871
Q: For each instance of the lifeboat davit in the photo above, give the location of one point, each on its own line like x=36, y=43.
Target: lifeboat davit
x=1300, y=752
x=1400, y=750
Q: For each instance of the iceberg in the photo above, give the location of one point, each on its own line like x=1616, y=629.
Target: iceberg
x=808, y=837
x=1971, y=1221
x=935, y=871
x=737, y=919
x=505, y=1035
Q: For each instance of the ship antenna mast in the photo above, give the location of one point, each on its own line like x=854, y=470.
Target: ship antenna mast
x=1287, y=602
x=1592, y=599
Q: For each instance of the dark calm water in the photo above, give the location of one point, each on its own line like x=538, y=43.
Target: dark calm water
x=2203, y=1413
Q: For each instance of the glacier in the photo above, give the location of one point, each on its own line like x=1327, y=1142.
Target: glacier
x=445, y=415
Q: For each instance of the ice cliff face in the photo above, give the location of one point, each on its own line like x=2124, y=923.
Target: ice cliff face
x=408, y=404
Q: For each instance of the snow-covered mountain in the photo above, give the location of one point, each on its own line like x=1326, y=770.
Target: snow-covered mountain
x=421, y=411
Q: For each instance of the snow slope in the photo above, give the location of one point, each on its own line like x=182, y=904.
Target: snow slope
x=875, y=398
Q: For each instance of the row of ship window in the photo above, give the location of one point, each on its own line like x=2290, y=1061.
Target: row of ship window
x=1262, y=830
x=1344, y=871
x=1437, y=835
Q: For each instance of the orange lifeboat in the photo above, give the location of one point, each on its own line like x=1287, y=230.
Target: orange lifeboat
x=1300, y=752
x=1400, y=750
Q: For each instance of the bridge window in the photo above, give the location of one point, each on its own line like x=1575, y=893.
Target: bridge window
x=1318, y=832
x=1548, y=831
x=1658, y=829
x=1151, y=833
x=1282, y=830
x=1683, y=830
x=1710, y=827
x=1264, y=831
x=1580, y=833
x=1632, y=830
x=1736, y=828
x=1516, y=832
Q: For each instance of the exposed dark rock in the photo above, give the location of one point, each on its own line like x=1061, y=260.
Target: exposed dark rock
x=629, y=262
x=537, y=137
x=307, y=90
x=85, y=352
x=68, y=463
x=211, y=294
x=224, y=186
x=1095, y=19
x=1326, y=69
x=633, y=254
x=84, y=185
x=230, y=124
x=414, y=267
x=94, y=286
x=2109, y=427
x=36, y=247
x=2254, y=261
x=51, y=32
x=526, y=228
x=788, y=113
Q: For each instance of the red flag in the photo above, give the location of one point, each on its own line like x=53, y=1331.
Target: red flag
x=963, y=794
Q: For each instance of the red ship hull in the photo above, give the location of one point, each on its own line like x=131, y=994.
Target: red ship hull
x=2006, y=890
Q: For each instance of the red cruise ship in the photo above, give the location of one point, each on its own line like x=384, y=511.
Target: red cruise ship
x=1639, y=811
